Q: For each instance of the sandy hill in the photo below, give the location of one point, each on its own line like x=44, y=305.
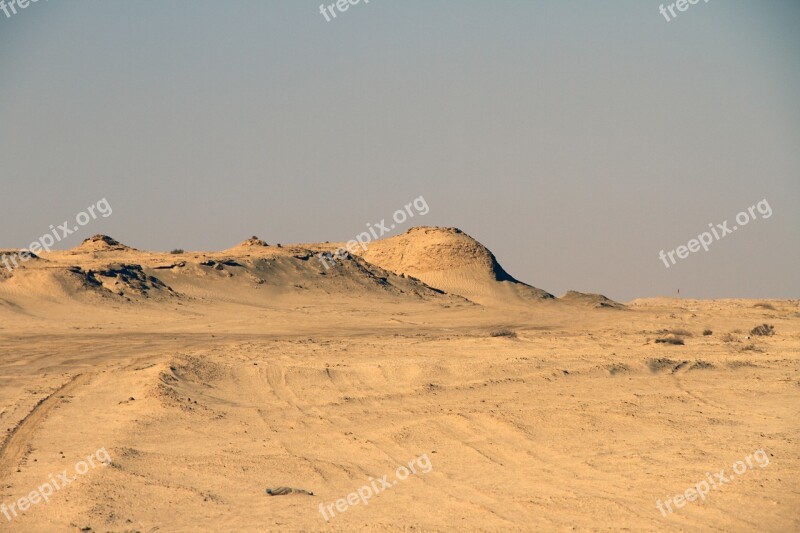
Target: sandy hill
x=444, y=265
x=12, y=256
x=452, y=261
x=252, y=242
x=11, y=259
x=15, y=253
x=102, y=270
x=101, y=243
x=590, y=299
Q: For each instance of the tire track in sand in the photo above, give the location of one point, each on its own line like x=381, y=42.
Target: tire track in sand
x=12, y=452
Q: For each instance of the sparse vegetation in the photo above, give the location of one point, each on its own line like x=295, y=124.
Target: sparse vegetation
x=707, y=332
x=176, y=251
x=677, y=341
x=764, y=330
x=662, y=363
x=765, y=305
x=618, y=369
x=681, y=332
x=751, y=348
x=502, y=332
x=741, y=364
x=701, y=365
x=728, y=337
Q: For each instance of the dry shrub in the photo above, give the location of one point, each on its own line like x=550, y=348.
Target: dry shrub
x=741, y=364
x=751, y=348
x=662, y=363
x=764, y=330
x=502, y=332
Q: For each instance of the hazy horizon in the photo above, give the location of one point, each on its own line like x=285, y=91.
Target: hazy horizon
x=575, y=140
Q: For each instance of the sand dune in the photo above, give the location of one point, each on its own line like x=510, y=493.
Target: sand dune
x=452, y=261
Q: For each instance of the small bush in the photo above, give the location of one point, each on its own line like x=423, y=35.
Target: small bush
x=751, y=348
x=176, y=251
x=707, y=332
x=730, y=338
x=677, y=341
x=764, y=330
x=741, y=364
x=503, y=332
x=765, y=305
x=618, y=369
x=681, y=332
x=662, y=363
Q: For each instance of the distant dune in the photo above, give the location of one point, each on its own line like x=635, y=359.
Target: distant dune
x=451, y=260
x=426, y=262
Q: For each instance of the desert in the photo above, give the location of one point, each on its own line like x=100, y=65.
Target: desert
x=399, y=266
x=207, y=379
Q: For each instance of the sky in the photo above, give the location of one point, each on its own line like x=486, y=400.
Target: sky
x=575, y=139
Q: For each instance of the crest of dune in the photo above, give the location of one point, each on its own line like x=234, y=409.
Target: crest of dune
x=590, y=299
x=252, y=241
x=253, y=244
x=101, y=243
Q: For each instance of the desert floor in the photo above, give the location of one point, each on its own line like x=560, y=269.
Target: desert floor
x=577, y=423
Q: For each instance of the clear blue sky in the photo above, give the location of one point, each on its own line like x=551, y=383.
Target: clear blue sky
x=576, y=139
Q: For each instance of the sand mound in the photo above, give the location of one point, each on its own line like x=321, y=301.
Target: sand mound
x=11, y=260
x=450, y=260
x=253, y=244
x=287, y=273
x=60, y=284
x=67, y=283
x=356, y=275
x=591, y=299
x=291, y=273
x=252, y=241
x=129, y=280
x=14, y=252
x=101, y=243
